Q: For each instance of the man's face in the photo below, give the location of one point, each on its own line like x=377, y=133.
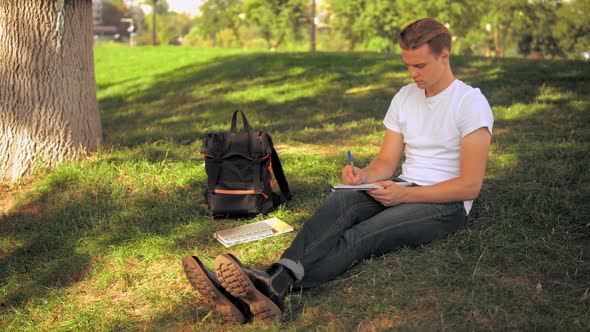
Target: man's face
x=426, y=70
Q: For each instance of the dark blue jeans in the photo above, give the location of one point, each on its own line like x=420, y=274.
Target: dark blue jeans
x=351, y=226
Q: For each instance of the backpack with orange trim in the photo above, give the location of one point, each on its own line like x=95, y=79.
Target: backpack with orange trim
x=240, y=166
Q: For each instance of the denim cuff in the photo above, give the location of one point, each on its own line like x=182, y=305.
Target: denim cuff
x=295, y=267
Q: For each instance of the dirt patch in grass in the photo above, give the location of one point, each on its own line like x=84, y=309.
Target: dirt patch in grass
x=314, y=314
x=9, y=195
x=532, y=284
x=130, y=189
x=514, y=281
x=380, y=323
x=424, y=308
x=7, y=198
x=31, y=209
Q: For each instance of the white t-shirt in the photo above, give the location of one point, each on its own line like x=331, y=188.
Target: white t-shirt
x=433, y=128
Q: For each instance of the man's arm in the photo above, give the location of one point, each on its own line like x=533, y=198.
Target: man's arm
x=474, y=155
x=382, y=167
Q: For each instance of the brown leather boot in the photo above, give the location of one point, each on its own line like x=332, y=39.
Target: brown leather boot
x=204, y=281
x=263, y=291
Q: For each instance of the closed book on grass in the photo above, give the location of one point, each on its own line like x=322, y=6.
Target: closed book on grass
x=252, y=232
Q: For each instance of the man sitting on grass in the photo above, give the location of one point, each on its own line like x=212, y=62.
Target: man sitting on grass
x=443, y=127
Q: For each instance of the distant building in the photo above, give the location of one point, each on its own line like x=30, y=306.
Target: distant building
x=97, y=12
x=100, y=30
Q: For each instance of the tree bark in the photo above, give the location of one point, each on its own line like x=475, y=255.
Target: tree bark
x=48, y=107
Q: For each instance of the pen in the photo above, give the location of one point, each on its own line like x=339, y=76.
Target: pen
x=351, y=162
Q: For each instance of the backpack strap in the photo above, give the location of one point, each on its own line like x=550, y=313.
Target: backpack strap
x=217, y=159
x=212, y=178
x=277, y=170
x=234, y=121
x=253, y=152
x=256, y=160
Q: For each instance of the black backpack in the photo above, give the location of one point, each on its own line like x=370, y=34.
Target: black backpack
x=239, y=166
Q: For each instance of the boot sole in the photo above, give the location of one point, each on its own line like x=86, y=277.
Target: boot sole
x=236, y=282
x=198, y=278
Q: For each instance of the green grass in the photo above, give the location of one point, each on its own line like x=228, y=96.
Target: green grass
x=96, y=245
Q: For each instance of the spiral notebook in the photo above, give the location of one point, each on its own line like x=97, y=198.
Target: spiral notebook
x=367, y=186
x=252, y=232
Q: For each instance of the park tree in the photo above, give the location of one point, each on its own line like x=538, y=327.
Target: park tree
x=172, y=27
x=346, y=21
x=461, y=15
x=312, y=30
x=374, y=23
x=48, y=107
x=377, y=23
x=148, y=30
x=218, y=15
x=277, y=19
x=500, y=18
x=572, y=28
x=533, y=30
x=159, y=7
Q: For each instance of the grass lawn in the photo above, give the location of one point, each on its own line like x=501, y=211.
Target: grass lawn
x=95, y=245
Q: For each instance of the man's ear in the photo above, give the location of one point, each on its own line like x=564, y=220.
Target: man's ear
x=445, y=54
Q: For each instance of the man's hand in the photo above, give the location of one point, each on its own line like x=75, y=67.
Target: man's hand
x=391, y=195
x=352, y=179
x=381, y=167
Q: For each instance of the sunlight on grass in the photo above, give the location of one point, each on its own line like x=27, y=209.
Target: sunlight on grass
x=551, y=94
x=365, y=89
x=479, y=62
x=295, y=71
x=397, y=75
x=504, y=160
x=96, y=244
x=277, y=94
x=126, y=63
x=517, y=110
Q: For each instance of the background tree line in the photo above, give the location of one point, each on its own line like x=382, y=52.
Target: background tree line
x=539, y=28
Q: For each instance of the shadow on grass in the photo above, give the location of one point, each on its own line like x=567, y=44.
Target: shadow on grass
x=282, y=94
x=61, y=232
x=531, y=217
x=53, y=239
x=290, y=95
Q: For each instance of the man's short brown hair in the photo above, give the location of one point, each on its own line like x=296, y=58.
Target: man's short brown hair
x=425, y=31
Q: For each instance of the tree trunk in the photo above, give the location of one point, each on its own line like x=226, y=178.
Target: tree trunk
x=312, y=29
x=499, y=42
x=48, y=107
x=154, y=38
